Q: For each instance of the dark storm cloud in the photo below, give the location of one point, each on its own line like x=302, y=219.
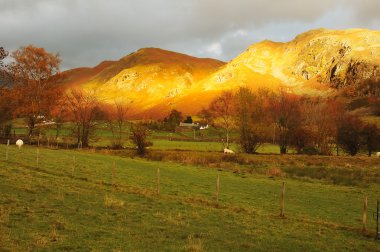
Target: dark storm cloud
x=86, y=32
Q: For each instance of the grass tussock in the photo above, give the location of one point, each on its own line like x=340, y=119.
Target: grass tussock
x=4, y=215
x=194, y=244
x=113, y=203
x=53, y=234
x=41, y=241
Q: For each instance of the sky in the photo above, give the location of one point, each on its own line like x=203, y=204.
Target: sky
x=86, y=32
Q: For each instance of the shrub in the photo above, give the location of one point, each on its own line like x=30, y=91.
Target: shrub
x=139, y=134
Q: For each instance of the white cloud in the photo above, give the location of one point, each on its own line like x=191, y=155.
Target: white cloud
x=215, y=49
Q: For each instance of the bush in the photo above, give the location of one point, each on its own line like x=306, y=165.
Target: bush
x=349, y=134
x=310, y=151
x=139, y=134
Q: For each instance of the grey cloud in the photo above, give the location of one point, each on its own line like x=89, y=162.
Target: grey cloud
x=86, y=32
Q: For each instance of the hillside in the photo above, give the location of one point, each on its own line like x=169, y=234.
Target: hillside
x=330, y=58
x=146, y=77
x=318, y=62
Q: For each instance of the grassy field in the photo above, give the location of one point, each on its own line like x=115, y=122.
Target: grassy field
x=64, y=205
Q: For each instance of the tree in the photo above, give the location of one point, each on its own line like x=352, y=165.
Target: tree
x=249, y=119
x=349, y=134
x=35, y=73
x=222, y=111
x=206, y=116
x=3, y=55
x=116, y=120
x=173, y=120
x=139, y=134
x=285, y=111
x=6, y=100
x=188, y=119
x=370, y=137
x=59, y=112
x=84, y=112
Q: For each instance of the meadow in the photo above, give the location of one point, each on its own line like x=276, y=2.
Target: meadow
x=74, y=200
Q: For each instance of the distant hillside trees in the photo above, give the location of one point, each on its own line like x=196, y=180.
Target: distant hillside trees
x=35, y=73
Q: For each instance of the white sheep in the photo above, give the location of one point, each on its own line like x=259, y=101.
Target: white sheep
x=377, y=154
x=19, y=143
x=228, y=151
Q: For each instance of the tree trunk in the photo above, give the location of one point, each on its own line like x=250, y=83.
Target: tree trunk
x=228, y=139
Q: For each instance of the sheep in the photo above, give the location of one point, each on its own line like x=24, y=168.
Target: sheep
x=228, y=151
x=377, y=154
x=19, y=143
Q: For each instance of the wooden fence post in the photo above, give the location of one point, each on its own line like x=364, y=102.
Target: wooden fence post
x=113, y=174
x=217, y=188
x=365, y=214
x=158, y=181
x=38, y=157
x=73, y=167
x=282, y=213
x=6, y=153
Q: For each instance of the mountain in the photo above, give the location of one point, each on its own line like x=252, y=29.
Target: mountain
x=147, y=77
x=317, y=62
x=331, y=58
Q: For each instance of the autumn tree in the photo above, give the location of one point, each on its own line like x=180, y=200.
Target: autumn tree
x=285, y=111
x=349, y=134
x=222, y=110
x=59, y=113
x=35, y=73
x=6, y=101
x=249, y=119
x=3, y=71
x=173, y=120
x=84, y=112
x=205, y=116
x=139, y=134
x=370, y=137
x=116, y=119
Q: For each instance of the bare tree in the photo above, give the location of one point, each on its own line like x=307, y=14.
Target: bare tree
x=139, y=134
x=222, y=109
x=285, y=110
x=84, y=111
x=116, y=120
x=249, y=119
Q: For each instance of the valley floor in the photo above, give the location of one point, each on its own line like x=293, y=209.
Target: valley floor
x=82, y=201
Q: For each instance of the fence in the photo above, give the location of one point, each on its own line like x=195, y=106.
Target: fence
x=377, y=214
x=114, y=185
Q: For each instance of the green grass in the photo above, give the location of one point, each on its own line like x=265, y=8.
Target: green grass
x=46, y=208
